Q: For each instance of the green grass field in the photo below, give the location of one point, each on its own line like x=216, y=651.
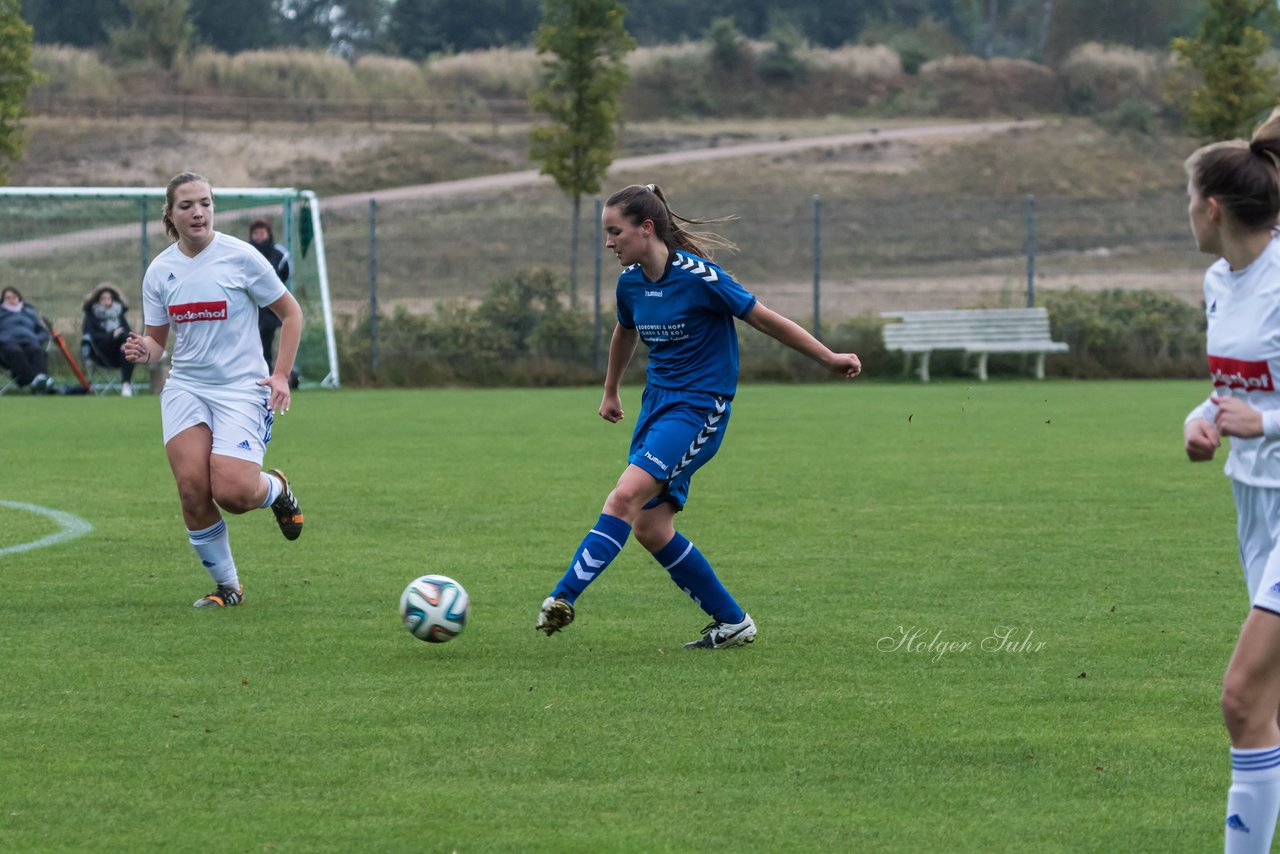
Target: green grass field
x=1061, y=517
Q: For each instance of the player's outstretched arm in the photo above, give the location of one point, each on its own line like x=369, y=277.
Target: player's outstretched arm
x=797, y=338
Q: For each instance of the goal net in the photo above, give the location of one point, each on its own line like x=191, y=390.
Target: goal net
x=59, y=243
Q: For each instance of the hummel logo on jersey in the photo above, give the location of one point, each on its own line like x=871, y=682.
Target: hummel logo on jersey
x=244, y=443
x=1235, y=822
x=698, y=268
x=653, y=293
x=195, y=311
x=1241, y=374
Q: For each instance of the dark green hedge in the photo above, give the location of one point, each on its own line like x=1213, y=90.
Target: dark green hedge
x=523, y=333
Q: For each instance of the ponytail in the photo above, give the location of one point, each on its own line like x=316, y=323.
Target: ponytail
x=647, y=202
x=1244, y=176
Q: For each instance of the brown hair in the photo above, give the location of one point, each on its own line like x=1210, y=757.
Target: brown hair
x=1244, y=176
x=174, y=183
x=640, y=202
x=262, y=223
x=106, y=287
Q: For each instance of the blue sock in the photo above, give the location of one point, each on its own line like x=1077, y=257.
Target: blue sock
x=598, y=549
x=693, y=574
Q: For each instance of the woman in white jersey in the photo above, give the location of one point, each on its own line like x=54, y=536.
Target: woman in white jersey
x=1234, y=190
x=683, y=306
x=218, y=405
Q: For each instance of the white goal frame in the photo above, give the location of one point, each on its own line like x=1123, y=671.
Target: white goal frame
x=287, y=198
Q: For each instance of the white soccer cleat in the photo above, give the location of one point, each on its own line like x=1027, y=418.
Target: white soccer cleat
x=724, y=635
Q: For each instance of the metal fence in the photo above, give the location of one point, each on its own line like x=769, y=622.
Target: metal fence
x=817, y=259
x=820, y=260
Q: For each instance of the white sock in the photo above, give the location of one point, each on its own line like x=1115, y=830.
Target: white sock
x=213, y=547
x=1254, y=800
x=274, y=488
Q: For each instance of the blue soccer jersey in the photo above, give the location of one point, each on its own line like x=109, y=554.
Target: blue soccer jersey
x=686, y=320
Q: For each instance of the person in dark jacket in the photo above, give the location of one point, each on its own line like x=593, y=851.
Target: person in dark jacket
x=23, y=337
x=277, y=256
x=105, y=331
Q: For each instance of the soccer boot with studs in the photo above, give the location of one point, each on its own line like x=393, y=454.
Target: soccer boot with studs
x=724, y=635
x=288, y=513
x=554, y=616
x=223, y=597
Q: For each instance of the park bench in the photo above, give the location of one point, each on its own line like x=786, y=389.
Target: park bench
x=978, y=332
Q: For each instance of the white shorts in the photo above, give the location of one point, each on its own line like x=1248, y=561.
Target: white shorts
x=1258, y=527
x=241, y=428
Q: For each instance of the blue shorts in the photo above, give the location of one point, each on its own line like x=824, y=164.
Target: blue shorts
x=677, y=433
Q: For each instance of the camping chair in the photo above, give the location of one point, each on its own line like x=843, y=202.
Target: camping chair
x=8, y=382
x=7, y=378
x=103, y=379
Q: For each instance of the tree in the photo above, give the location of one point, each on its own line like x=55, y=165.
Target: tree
x=232, y=26
x=1237, y=90
x=158, y=30
x=16, y=77
x=585, y=46
x=418, y=28
x=80, y=23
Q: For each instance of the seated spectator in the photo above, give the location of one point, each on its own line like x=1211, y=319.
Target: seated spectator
x=105, y=330
x=23, y=337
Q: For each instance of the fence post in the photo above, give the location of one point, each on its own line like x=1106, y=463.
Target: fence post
x=373, y=286
x=595, y=333
x=1031, y=250
x=817, y=267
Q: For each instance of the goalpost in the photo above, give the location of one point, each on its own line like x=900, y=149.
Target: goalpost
x=58, y=243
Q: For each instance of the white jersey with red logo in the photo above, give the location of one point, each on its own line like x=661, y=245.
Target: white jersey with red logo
x=210, y=302
x=1243, y=343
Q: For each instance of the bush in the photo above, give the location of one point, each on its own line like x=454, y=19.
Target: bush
x=728, y=45
x=72, y=71
x=1132, y=334
x=782, y=62
x=521, y=334
x=1097, y=78
x=386, y=77
x=927, y=40
x=1132, y=115
x=289, y=73
x=501, y=73
x=973, y=87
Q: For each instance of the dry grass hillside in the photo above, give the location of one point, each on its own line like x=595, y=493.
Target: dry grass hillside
x=905, y=224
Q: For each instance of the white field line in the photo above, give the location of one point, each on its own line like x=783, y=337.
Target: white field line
x=71, y=527
x=529, y=177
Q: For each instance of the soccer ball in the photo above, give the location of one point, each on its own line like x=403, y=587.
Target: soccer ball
x=435, y=608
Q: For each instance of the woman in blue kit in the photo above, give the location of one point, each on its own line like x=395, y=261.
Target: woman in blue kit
x=683, y=307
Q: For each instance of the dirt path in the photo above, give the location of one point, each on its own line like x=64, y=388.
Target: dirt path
x=529, y=177
x=510, y=180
